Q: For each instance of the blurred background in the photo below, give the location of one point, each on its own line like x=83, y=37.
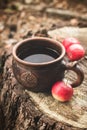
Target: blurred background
x=20, y=19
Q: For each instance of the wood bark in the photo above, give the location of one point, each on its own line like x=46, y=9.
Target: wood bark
x=24, y=110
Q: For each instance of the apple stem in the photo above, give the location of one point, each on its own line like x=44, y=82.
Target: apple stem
x=66, y=81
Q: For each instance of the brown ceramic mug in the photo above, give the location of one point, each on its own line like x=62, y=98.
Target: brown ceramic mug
x=38, y=63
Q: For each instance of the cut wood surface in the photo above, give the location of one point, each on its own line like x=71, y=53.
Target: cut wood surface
x=25, y=110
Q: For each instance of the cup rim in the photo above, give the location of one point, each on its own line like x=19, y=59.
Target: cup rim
x=38, y=64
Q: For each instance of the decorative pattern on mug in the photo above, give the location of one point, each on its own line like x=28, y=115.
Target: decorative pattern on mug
x=29, y=79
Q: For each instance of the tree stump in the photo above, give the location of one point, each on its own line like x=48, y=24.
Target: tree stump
x=25, y=110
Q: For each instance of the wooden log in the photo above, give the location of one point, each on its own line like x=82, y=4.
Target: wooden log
x=25, y=110
x=66, y=13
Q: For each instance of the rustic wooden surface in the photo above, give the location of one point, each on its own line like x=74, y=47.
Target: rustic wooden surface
x=24, y=110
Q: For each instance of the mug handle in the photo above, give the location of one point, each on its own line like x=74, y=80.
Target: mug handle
x=76, y=68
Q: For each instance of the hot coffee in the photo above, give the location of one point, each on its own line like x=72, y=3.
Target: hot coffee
x=41, y=55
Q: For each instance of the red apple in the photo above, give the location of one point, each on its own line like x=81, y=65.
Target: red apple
x=69, y=41
x=75, y=52
x=61, y=91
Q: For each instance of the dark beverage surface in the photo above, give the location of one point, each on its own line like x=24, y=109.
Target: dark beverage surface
x=39, y=58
